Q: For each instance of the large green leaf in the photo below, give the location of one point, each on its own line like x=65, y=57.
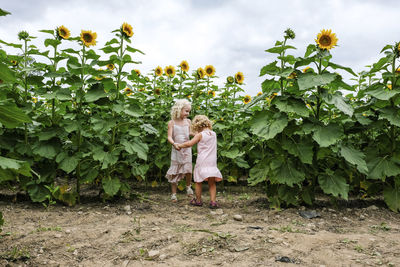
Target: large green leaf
x=338, y=101
x=19, y=166
x=6, y=75
x=391, y=114
x=46, y=149
x=327, y=135
x=232, y=153
x=292, y=105
x=337, y=66
x=392, y=197
x=310, y=80
x=286, y=173
x=279, y=49
x=303, y=149
x=11, y=116
x=134, y=111
x=270, y=69
x=136, y=147
x=334, y=184
x=38, y=192
x=266, y=126
x=111, y=186
x=69, y=164
x=380, y=92
x=259, y=173
x=381, y=167
x=288, y=194
x=355, y=157
x=95, y=93
x=4, y=13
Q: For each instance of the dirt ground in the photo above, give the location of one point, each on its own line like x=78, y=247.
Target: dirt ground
x=152, y=231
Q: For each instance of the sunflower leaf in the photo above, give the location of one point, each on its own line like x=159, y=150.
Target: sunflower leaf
x=337, y=66
x=310, y=80
x=332, y=183
x=4, y=13
x=266, y=126
x=279, y=49
x=327, y=135
x=391, y=114
x=378, y=91
x=133, y=50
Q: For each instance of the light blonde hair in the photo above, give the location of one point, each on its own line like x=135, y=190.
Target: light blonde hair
x=200, y=122
x=177, y=108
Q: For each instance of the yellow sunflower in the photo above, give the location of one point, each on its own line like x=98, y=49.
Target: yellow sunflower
x=137, y=72
x=292, y=75
x=189, y=96
x=259, y=93
x=326, y=39
x=398, y=71
x=63, y=32
x=211, y=92
x=170, y=71
x=239, y=78
x=126, y=30
x=306, y=69
x=398, y=47
x=389, y=86
x=201, y=73
x=34, y=99
x=158, y=71
x=110, y=66
x=14, y=62
x=128, y=91
x=184, y=66
x=210, y=70
x=88, y=38
x=230, y=79
x=246, y=99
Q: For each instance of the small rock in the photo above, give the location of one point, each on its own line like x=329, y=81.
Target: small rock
x=203, y=250
x=57, y=235
x=125, y=263
x=75, y=252
x=154, y=253
x=169, y=237
x=373, y=207
x=127, y=208
x=332, y=210
x=265, y=219
x=238, y=217
x=80, y=212
x=219, y=211
x=362, y=217
x=129, y=212
x=213, y=212
x=162, y=257
x=41, y=251
x=68, y=231
x=346, y=219
x=257, y=210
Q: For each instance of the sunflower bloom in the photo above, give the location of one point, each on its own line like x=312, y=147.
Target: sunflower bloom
x=189, y=96
x=210, y=70
x=137, y=72
x=398, y=47
x=184, y=66
x=326, y=39
x=306, y=69
x=170, y=71
x=88, y=38
x=34, y=99
x=158, y=71
x=246, y=99
x=259, y=93
x=211, y=92
x=201, y=73
x=126, y=30
x=128, y=91
x=63, y=32
x=14, y=62
x=292, y=75
x=110, y=66
x=239, y=78
x=389, y=86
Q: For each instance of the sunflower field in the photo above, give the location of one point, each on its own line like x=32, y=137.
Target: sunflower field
x=88, y=116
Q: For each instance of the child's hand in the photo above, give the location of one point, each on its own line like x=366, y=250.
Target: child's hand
x=177, y=147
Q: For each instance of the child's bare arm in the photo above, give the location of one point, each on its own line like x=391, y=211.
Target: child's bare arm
x=192, y=142
x=190, y=128
x=170, y=129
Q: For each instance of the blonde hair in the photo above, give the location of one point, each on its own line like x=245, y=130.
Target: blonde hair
x=200, y=122
x=177, y=108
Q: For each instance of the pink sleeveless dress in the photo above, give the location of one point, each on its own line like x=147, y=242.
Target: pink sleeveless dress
x=206, y=163
x=181, y=161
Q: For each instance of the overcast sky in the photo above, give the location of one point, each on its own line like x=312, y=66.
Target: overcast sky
x=231, y=35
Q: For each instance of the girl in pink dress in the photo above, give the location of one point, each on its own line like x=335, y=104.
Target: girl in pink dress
x=181, y=159
x=206, y=164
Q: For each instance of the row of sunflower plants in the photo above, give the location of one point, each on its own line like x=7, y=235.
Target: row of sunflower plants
x=313, y=138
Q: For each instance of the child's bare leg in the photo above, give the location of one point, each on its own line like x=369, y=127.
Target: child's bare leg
x=198, y=191
x=188, y=179
x=212, y=187
x=174, y=187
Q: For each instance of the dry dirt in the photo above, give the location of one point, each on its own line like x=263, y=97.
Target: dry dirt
x=152, y=231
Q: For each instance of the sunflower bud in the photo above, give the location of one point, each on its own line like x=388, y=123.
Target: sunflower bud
x=230, y=79
x=23, y=35
x=289, y=34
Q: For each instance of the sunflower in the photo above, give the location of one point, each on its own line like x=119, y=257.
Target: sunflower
x=110, y=66
x=398, y=47
x=170, y=71
x=230, y=79
x=239, y=78
x=292, y=75
x=201, y=73
x=246, y=99
x=184, y=66
x=126, y=30
x=137, y=72
x=211, y=92
x=157, y=91
x=189, y=96
x=34, y=99
x=100, y=77
x=306, y=69
x=210, y=70
x=142, y=89
x=128, y=91
x=389, y=86
x=88, y=38
x=326, y=39
x=259, y=93
x=158, y=71
x=14, y=62
x=63, y=33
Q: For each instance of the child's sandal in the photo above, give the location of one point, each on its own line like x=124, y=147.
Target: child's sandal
x=194, y=202
x=214, y=205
